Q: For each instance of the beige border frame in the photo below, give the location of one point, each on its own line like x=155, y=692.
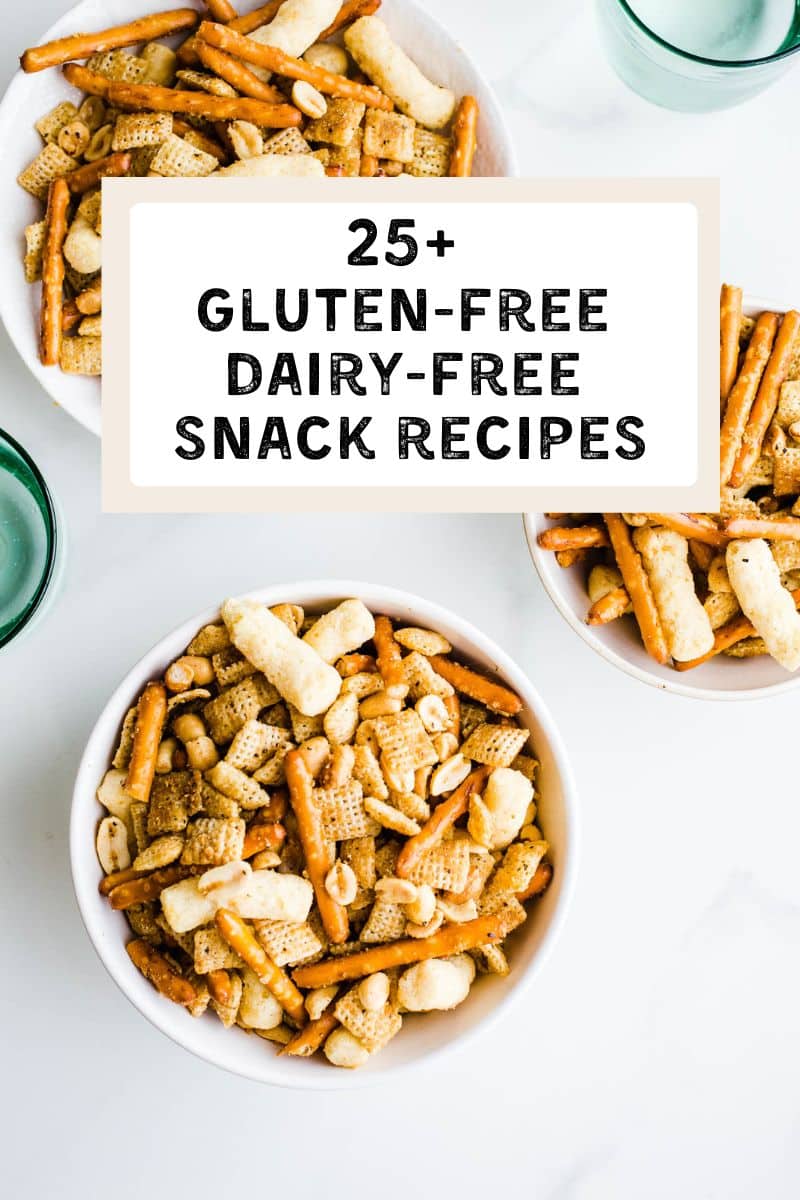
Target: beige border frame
x=120, y=495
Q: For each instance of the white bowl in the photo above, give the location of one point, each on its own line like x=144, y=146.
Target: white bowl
x=619, y=643
x=421, y=1036
x=30, y=96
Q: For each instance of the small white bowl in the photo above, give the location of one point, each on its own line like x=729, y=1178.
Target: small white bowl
x=422, y=1036
x=620, y=644
x=29, y=97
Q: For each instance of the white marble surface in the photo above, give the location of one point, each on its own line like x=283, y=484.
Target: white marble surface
x=658, y=1054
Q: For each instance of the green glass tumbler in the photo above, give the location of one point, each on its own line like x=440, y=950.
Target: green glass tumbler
x=700, y=55
x=31, y=549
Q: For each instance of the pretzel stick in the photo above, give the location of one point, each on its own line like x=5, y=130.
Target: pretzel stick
x=309, y=828
x=240, y=938
x=496, y=697
x=354, y=664
x=284, y=64
x=541, y=880
x=744, y=391
x=221, y=10
x=730, y=323
x=635, y=579
x=568, y=558
x=53, y=272
x=786, y=528
x=146, y=97
x=766, y=401
x=109, y=882
x=263, y=837
x=220, y=987
x=89, y=176
x=465, y=138
x=389, y=658
x=728, y=635
x=308, y=1040
x=158, y=971
x=147, y=887
x=151, y=712
x=609, y=607
x=350, y=11
x=578, y=537
x=89, y=302
x=234, y=72
x=443, y=817
x=87, y=81
x=258, y=17
x=701, y=528
x=450, y=939
x=84, y=45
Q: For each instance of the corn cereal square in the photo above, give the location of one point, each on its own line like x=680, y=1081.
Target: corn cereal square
x=339, y=125
x=174, y=798
x=431, y=157
x=389, y=135
x=372, y=1029
x=213, y=840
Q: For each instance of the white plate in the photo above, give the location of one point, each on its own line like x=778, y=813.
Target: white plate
x=619, y=643
x=422, y=1036
x=30, y=96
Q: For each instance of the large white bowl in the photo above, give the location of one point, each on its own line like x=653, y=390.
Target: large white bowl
x=421, y=1036
x=28, y=97
x=723, y=678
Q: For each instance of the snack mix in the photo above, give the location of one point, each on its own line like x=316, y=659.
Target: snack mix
x=259, y=95
x=703, y=584
x=318, y=824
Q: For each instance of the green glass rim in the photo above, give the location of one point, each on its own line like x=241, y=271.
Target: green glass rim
x=720, y=63
x=48, y=510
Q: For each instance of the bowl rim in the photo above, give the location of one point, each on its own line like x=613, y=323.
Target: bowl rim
x=678, y=688
x=48, y=377
x=86, y=781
